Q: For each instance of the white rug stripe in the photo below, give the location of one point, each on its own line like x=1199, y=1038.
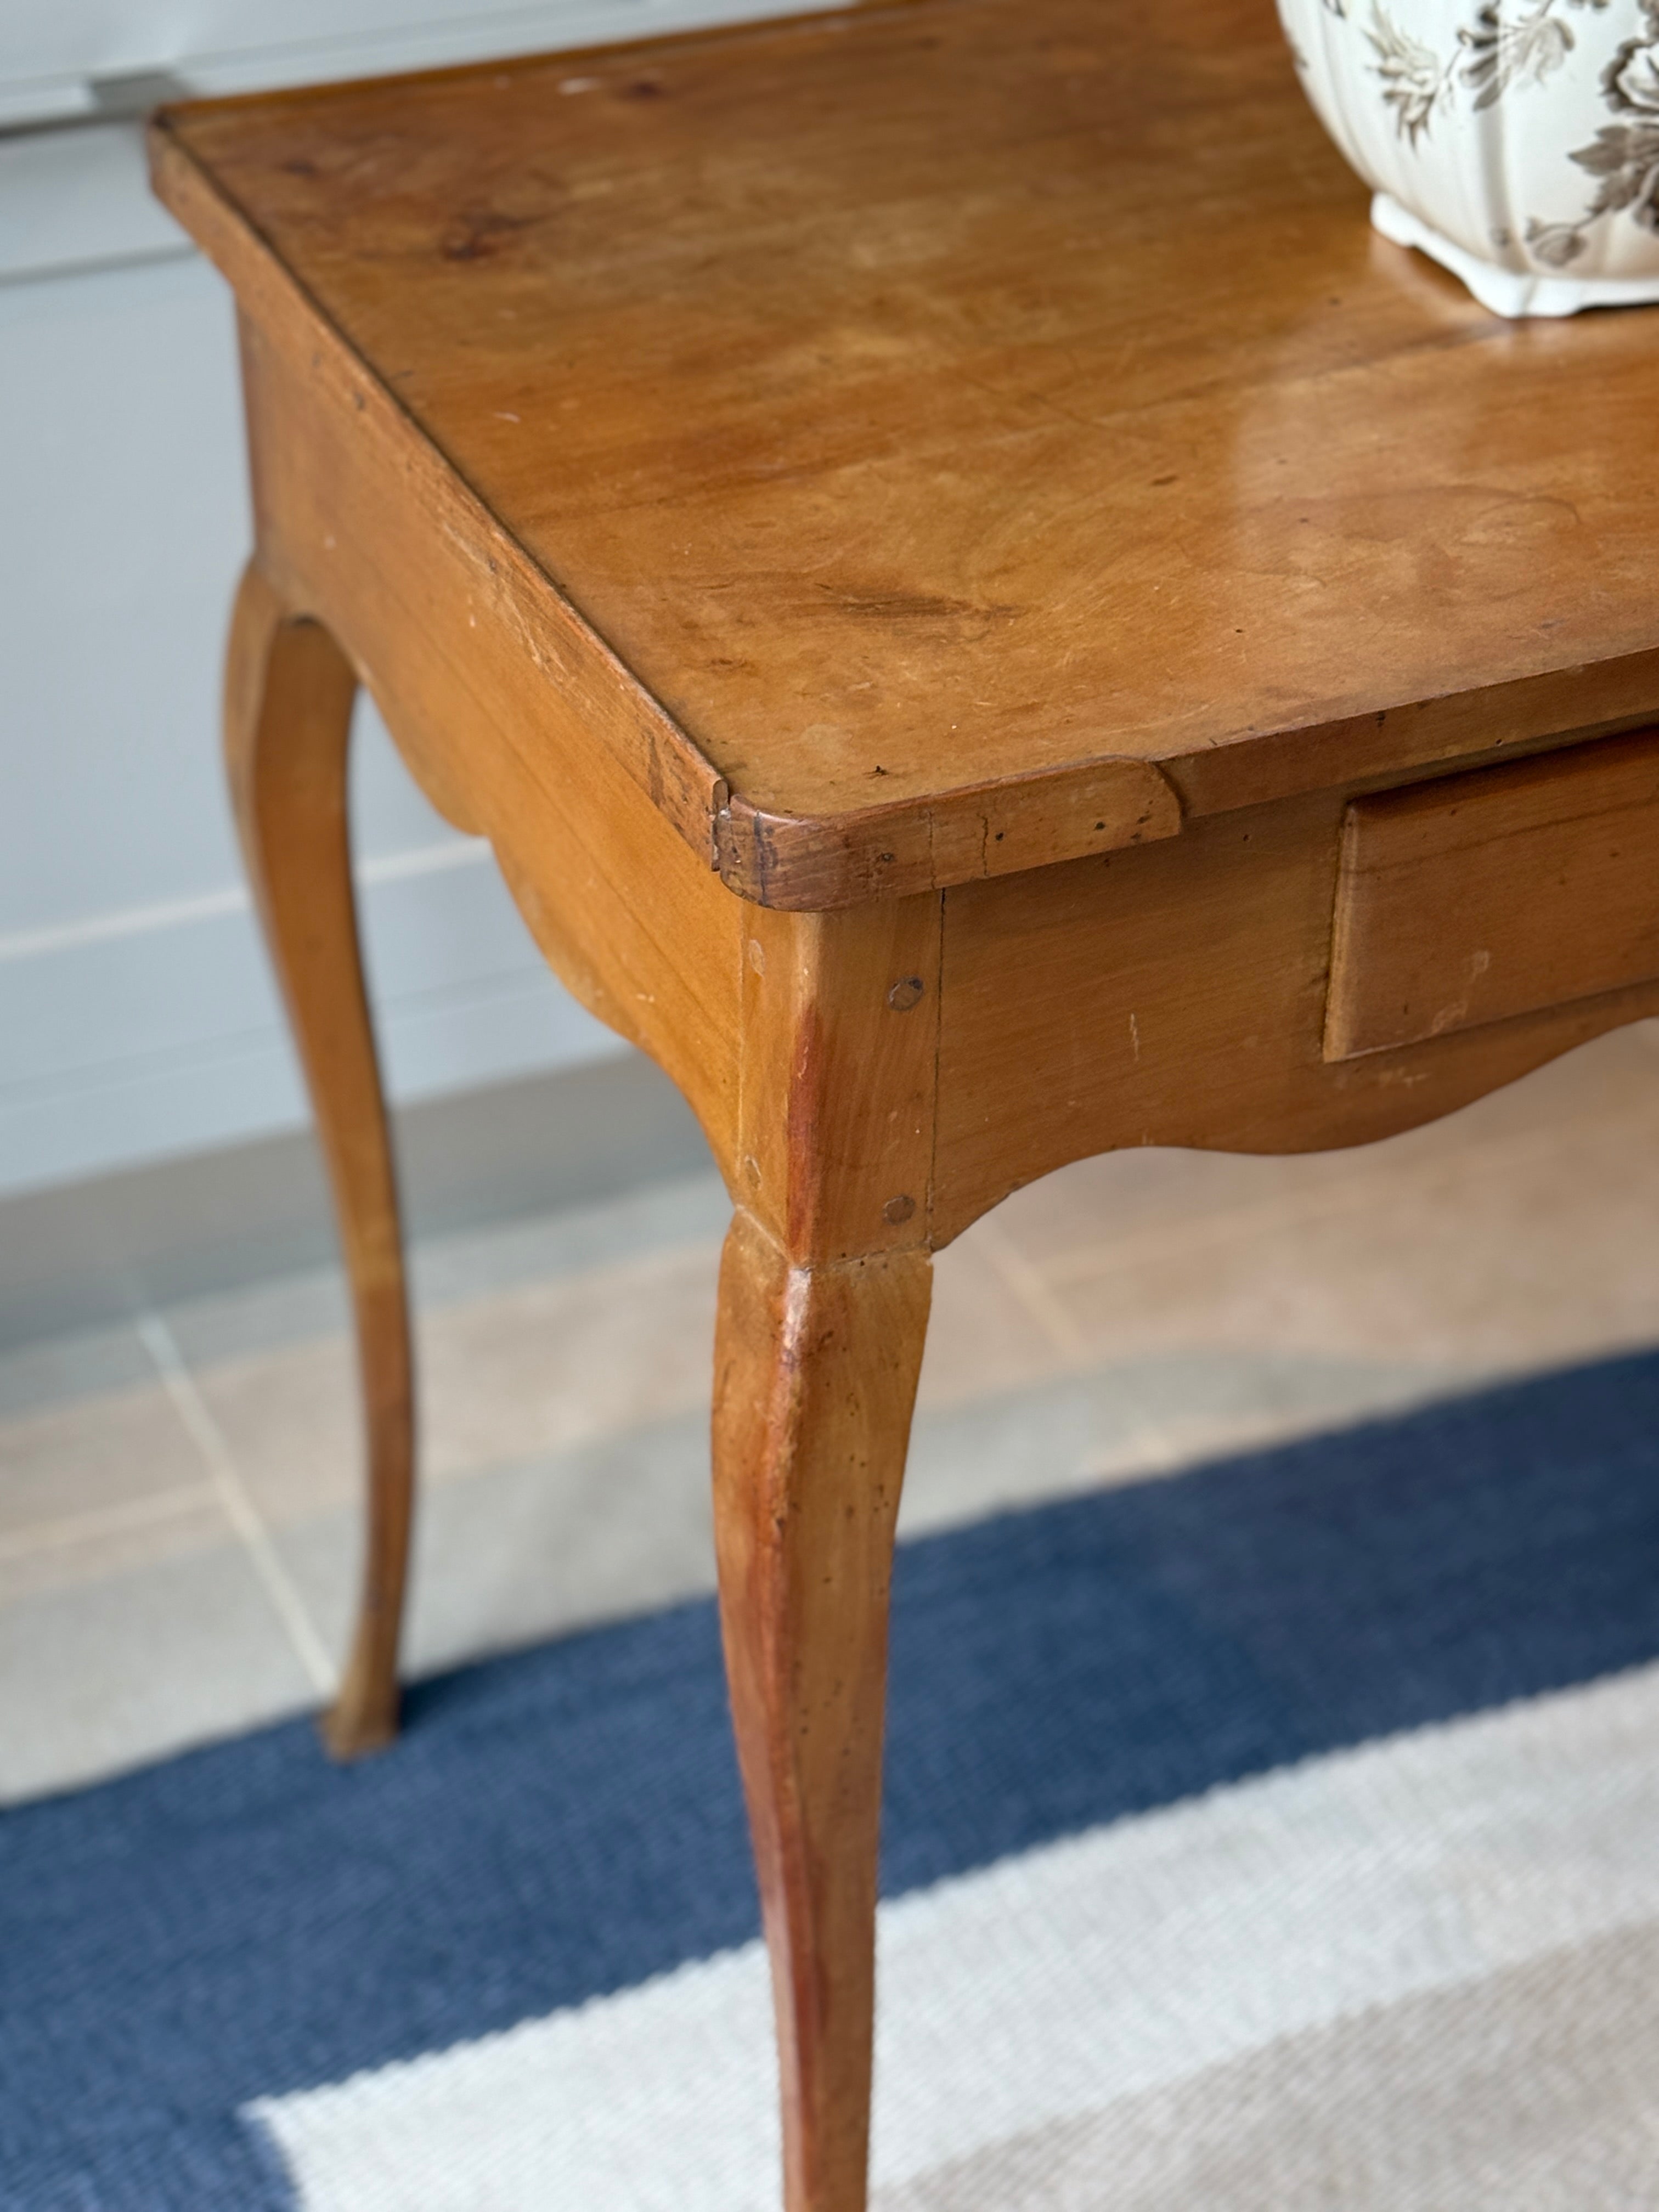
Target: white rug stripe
x=1535, y=2089
x=1043, y=1988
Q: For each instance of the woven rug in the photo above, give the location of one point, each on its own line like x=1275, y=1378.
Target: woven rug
x=1280, y=1837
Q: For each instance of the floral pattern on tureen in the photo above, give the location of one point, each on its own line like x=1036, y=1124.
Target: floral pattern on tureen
x=1517, y=140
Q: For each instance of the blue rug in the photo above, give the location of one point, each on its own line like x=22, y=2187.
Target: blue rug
x=195, y=1959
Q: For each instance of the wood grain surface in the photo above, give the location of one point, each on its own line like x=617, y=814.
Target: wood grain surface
x=933, y=405
x=1476, y=897
x=470, y=670
x=815, y=1378
x=840, y=1024
x=1176, y=996
x=288, y=692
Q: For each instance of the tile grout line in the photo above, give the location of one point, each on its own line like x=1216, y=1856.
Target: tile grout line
x=1158, y=1451
x=1028, y=1285
x=180, y=1384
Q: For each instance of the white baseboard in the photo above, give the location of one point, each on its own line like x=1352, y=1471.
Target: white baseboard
x=88, y=1255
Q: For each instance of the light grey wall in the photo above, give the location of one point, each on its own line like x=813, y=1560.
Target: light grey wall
x=67, y=58
x=137, y=1019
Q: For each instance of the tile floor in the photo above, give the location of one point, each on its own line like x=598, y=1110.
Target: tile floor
x=177, y=1525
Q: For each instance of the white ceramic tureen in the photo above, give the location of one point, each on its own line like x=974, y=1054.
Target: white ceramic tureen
x=1516, y=141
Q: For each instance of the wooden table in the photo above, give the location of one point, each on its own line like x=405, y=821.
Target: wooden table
x=976, y=603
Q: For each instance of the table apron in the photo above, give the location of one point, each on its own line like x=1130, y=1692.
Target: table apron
x=1177, y=995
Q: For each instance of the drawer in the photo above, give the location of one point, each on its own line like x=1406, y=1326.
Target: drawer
x=1480, y=897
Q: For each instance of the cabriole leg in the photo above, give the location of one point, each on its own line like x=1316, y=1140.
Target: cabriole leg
x=816, y=1373
x=287, y=715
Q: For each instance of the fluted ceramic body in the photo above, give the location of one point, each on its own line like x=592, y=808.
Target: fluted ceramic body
x=1517, y=140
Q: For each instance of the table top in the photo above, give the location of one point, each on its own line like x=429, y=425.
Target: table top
x=936, y=395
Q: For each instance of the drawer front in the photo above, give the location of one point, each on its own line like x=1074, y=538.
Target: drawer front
x=1500, y=892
